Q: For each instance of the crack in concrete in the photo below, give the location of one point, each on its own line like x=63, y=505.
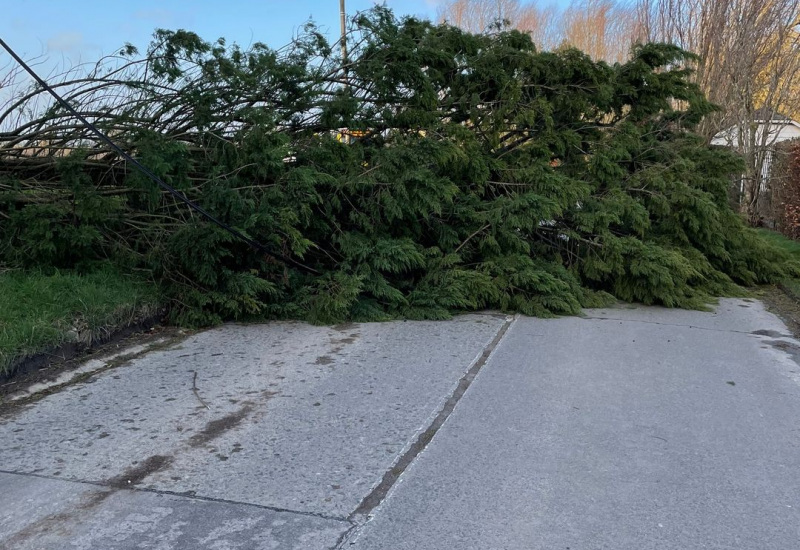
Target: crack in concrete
x=318, y=515
x=115, y=489
x=128, y=480
x=375, y=498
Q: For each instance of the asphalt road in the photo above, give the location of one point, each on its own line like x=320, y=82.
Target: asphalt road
x=630, y=428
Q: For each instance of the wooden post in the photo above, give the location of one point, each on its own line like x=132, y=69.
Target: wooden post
x=342, y=23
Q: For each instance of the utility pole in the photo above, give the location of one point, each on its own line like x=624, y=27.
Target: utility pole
x=342, y=23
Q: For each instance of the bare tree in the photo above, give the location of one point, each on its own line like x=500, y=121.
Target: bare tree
x=542, y=23
x=749, y=65
x=479, y=15
x=604, y=29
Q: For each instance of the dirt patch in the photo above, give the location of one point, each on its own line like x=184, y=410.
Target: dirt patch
x=784, y=345
x=136, y=473
x=48, y=367
x=770, y=333
x=787, y=347
x=340, y=343
x=784, y=306
x=57, y=522
x=323, y=360
x=216, y=428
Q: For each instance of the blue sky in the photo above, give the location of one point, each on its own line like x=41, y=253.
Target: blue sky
x=82, y=30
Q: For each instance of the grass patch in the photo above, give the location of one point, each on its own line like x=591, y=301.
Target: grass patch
x=782, y=241
x=791, y=247
x=40, y=311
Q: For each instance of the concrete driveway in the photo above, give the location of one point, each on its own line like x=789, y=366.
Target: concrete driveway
x=629, y=428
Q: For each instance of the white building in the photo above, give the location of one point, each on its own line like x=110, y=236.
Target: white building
x=778, y=127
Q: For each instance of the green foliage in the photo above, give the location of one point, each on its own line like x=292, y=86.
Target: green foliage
x=485, y=175
x=65, y=230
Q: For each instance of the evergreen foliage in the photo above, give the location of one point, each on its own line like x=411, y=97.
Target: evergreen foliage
x=486, y=174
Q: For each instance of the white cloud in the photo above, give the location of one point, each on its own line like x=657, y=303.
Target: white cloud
x=166, y=18
x=66, y=42
x=157, y=16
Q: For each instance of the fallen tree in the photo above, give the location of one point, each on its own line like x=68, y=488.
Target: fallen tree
x=484, y=174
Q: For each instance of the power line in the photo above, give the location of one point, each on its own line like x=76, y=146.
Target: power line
x=149, y=173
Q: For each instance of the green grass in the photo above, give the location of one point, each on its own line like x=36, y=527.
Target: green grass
x=791, y=247
x=781, y=241
x=41, y=311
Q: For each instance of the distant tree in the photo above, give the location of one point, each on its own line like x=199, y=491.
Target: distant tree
x=748, y=65
x=603, y=29
x=542, y=24
x=480, y=15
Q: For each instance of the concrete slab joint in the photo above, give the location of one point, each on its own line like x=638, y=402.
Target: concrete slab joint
x=288, y=424
x=632, y=428
x=392, y=476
